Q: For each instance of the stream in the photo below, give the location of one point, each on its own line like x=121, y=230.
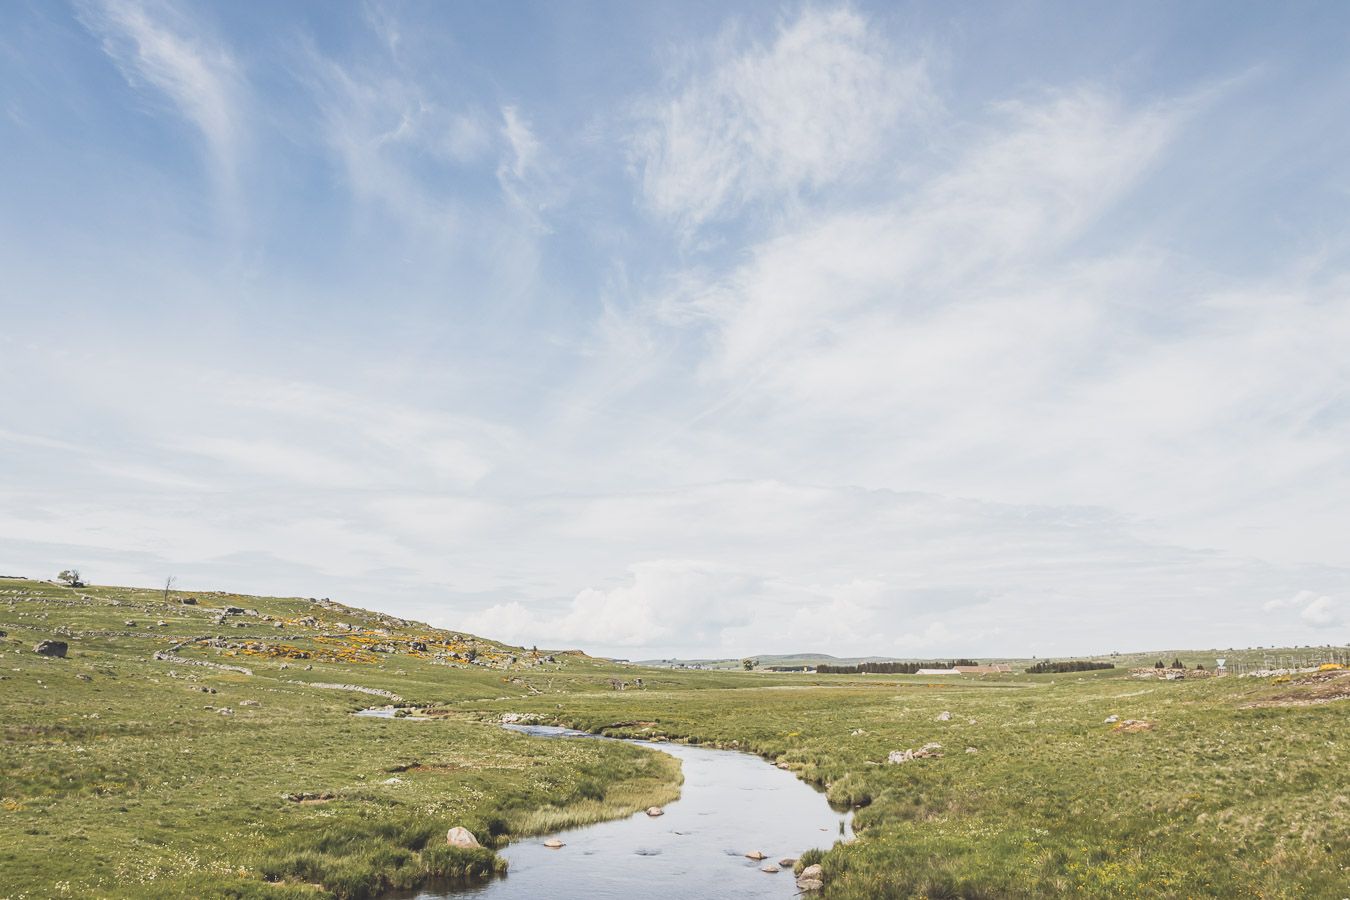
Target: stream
x=730, y=804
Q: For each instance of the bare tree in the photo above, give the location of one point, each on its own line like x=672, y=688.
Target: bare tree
x=168, y=586
x=71, y=577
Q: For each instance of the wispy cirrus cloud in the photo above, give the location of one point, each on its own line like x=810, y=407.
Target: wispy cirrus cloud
x=160, y=48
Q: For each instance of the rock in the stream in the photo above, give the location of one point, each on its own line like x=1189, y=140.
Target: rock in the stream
x=461, y=837
x=772, y=870
x=756, y=854
x=655, y=811
x=811, y=879
x=51, y=648
x=788, y=862
x=554, y=844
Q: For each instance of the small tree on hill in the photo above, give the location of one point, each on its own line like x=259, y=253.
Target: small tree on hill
x=1159, y=665
x=1178, y=664
x=749, y=664
x=70, y=577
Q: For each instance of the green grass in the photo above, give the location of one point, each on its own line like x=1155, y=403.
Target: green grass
x=120, y=778
x=1216, y=800
x=123, y=783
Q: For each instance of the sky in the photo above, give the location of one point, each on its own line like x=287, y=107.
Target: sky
x=689, y=328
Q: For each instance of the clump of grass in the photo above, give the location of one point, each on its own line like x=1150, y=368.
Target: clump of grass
x=851, y=790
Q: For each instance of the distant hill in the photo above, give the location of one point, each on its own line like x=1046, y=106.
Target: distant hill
x=767, y=659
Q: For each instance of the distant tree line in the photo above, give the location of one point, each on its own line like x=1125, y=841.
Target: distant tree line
x=891, y=668
x=1072, y=665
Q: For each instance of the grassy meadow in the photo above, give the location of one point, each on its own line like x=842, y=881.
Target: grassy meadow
x=123, y=775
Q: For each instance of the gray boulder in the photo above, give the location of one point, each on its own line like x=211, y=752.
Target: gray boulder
x=51, y=648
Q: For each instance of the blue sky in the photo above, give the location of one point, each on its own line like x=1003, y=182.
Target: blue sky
x=667, y=328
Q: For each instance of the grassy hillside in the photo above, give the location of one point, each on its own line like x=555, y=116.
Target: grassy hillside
x=124, y=775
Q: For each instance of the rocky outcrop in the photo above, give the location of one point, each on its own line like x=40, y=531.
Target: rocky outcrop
x=51, y=648
x=927, y=751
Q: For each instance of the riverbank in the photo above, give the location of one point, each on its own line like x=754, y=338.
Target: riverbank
x=242, y=773
x=1085, y=785
x=733, y=809
x=122, y=775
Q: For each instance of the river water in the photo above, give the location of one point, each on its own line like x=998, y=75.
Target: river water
x=730, y=804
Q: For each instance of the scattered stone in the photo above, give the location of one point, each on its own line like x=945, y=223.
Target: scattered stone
x=249, y=703
x=788, y=862
x=772, y=870
x=394, y=780
x=857, y=732
x=84, y=677
x=655, y=811
x=944, y=716
x=188, y=601
x=309, y=798
x=1111, y=720
x=161, y=624
x=554, y=844
x=1130, y=726
x=226, y=711
x=972, y=750
x=325, y=685
x=461, y=837
x=51, y=648
x=756, y=854
x=181, y=660
x=129, y=624
x=927, y=751
x=812, y=878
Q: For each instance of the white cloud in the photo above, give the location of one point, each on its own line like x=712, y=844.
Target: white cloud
x=1317, y=610
x=521, y=173
x=805, y=111
x=158, y=46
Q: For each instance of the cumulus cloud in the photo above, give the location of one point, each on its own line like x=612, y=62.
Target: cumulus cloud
x=1318, y=610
